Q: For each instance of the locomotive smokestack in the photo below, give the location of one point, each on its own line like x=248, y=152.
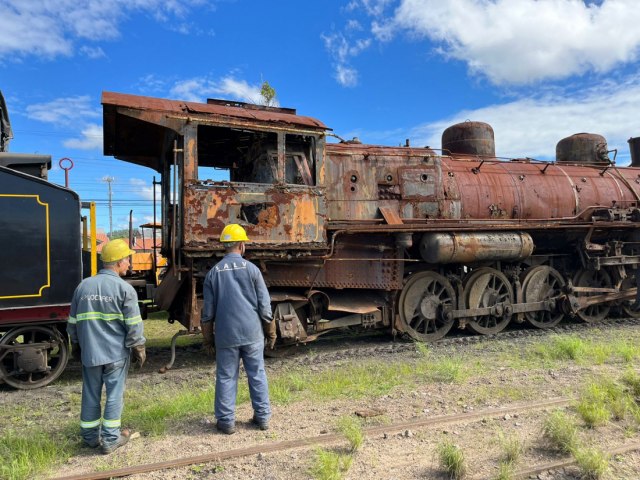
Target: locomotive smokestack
x=634, y=146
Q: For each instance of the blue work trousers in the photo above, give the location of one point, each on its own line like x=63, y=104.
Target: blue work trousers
x=227, y=370
x=93, y=425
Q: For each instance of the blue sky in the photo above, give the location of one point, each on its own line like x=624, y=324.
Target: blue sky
x=382, y=70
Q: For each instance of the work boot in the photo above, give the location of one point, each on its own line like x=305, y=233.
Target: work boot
x=122, y=440
x=94, y=444
x=227, y=428
x=261, y=424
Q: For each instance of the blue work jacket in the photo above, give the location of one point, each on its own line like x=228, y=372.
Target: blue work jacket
x=237, y=299
x=105, y=319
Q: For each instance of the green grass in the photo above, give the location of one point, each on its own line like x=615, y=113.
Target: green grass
x=422, y=349
x=561, y=431
x=448, y=370
x=451, y=460
x=627, y=351
x=30, y=452
x=594, y=414
x=597, y=351
x=358, y=381
x=562, y=348
x=602, y=400
x=512, y=448
x=506, y=471
x=286, y=388
x=329, y=465
x=503, y=393
x=592, y=462
x=351, y=428
x=158, y=332
x=632, y=380
x=151, y=410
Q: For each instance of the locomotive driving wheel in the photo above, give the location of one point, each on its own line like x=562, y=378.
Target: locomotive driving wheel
x=542, y=283
x=488, y=287
x=625, y=306
x=32, y=356
x=423, y=304
x=594, y=279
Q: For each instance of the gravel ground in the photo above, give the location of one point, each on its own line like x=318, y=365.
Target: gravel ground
x=406, y=454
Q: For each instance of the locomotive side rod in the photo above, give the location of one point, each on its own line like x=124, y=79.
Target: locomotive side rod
x=500, y=309
x=575, y=303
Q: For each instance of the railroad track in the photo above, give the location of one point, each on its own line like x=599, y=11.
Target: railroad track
x=320, y=440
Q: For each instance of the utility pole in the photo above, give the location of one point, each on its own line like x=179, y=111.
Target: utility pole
x=109, y=180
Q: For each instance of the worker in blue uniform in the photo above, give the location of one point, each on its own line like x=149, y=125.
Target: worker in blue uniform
x=237, y=300
x=105, y=328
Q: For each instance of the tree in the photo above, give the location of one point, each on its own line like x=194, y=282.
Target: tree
x=267, y=94
x=124, y=233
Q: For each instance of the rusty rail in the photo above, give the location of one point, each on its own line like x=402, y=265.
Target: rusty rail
x=319, y=440
x=536, y=470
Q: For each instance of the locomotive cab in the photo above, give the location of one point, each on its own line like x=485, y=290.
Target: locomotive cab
x=222, y=162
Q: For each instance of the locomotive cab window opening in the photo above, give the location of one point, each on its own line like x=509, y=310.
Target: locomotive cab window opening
x=299, y=164
x=236, y=155
x=242, y=155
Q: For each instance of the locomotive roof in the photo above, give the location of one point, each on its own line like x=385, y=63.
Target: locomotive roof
x=127, y=138
x=226, y=108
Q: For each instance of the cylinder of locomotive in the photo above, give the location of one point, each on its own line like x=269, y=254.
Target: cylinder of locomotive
x=475, y=247
x=470, y=138
x=588, y=148
x=634, y=146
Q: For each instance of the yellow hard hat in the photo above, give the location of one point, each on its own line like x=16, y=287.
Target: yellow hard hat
x=115, y=250
x=233, y=233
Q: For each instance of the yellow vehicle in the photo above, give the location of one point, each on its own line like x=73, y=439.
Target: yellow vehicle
x=147, y=264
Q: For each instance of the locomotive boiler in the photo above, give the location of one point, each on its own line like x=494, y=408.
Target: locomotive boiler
x=411, y=240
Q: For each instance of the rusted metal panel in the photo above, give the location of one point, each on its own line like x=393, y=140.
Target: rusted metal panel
x=289, y=216
x=178, y=107
x=390, y=216
x=363, y=177
x=354, y=265
x=420, y=183
x=534, y=190
x=420, y=186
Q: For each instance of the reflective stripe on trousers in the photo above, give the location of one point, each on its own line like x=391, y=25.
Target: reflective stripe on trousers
x=113, y=376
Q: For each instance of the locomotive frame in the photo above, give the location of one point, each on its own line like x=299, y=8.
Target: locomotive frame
x=363, y=236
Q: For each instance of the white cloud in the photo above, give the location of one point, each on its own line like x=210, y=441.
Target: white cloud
x=152, y=84
x=524, y=41
x=143, y=189
x=343, y=49
x=199, y=88
x=91, y=138
x=346, y=76
x=92, y=52
x=374, y=8
x=65, y=110
x=531, y=127
x=50, y=29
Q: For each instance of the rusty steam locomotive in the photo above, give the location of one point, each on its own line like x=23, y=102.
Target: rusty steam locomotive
x=412, y=240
